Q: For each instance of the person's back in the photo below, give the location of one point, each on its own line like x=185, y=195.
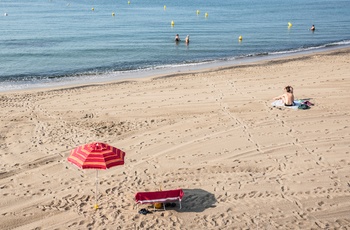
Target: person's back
x=289, y=100
x=289, y=96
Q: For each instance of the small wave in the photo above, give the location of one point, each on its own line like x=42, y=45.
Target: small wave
x=309, y=48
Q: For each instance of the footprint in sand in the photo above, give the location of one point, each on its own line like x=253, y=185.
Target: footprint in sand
x=320, y=203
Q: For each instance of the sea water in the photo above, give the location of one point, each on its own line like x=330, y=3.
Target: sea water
x=55, y=42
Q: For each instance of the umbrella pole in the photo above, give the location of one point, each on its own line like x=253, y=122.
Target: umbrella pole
x=96, y=205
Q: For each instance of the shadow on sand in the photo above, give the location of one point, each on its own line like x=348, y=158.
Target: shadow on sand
x=196, y=200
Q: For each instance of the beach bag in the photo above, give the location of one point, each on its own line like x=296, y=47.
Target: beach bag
x=303, y=106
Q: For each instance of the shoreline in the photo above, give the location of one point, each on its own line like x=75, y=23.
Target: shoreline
x=183, y=70
x=213, y=133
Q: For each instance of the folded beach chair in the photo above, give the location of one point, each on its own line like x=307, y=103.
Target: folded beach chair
x=159, y=197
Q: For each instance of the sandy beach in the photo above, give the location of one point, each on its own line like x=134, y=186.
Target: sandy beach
x=242, y=163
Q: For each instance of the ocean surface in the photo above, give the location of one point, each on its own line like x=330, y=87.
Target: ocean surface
x=56, y=42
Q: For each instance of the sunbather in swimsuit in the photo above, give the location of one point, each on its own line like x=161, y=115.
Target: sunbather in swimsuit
x=288, y=97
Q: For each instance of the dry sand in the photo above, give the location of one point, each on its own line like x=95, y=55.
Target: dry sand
x=241, y=163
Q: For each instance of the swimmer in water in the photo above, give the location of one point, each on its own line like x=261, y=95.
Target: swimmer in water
x=187, y=40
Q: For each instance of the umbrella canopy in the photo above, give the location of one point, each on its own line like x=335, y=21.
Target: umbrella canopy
x=96, y=155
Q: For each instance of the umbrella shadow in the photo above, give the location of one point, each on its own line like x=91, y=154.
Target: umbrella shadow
x=196, y=200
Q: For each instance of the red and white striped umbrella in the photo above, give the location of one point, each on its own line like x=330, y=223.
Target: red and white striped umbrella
x=96, y=155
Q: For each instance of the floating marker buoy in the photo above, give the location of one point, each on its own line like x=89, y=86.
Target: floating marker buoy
x=5, y=14
x=172, y=23
x=92, y=9
x=240, y=38
x=290, y=24
x=128, y=2
x=206, y=15
x=113, y=14
x=164, y=7
x=198, y=12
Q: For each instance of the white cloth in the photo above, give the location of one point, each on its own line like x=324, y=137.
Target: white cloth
x=279, y=103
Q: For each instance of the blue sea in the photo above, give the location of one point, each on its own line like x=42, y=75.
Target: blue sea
x=56, y=42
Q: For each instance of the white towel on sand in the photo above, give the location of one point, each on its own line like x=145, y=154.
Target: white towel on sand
x=279, y=103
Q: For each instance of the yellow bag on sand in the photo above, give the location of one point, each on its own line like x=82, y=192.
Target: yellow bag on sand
x=158, y=205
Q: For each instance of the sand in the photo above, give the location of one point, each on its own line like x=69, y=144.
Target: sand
x=241, y=163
